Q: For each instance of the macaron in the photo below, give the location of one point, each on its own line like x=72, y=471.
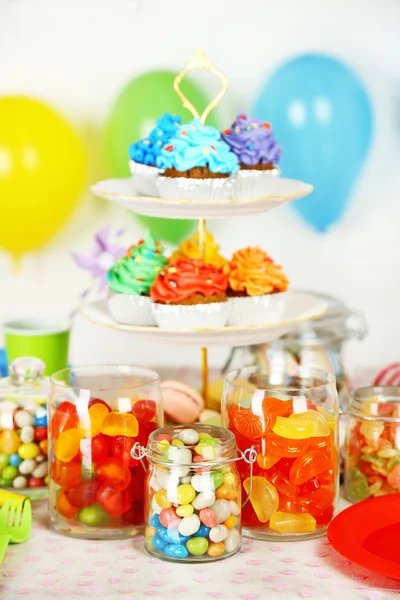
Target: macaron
x=182, y=403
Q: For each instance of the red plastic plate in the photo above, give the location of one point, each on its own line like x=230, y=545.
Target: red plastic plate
x=368, y=534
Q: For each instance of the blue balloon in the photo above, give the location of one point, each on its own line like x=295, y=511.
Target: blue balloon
x=322, y=116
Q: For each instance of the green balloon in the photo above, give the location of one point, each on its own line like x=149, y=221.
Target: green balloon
x=142, y=101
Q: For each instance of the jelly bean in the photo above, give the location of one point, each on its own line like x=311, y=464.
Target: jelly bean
x=158, y=543
x=218, y=533
x=175, y=551
x=29, y=451
x=115, y=503
x=164, y=436
x=22, y=418
x=15, y=460
x=93, y=516
x=189, y=437
x=168, y=518
x=393, y=478
x=121, y=447
x=321, y=428
x=4, y=459
x=154, y=521
x=203, y=500
x=35, y=482
x=198, y=482
x=20, y=482
x=41, y=470
x=40, y=420
x=203, y=435
x=10, y=472
x=292, y=523
x=217, y=479
x=171, y=535
x=185, y=493
x=177, y=443
x=281, y=446
x=99, y=448
x=120, y=424
x=150, y=531
x=230, y=522
x=222, y=509
x=208, y=517
x=65, y=417
x=185, y=510
x=144, y=410
x=294, y=428
x=63, y=506
x=84, y=494
x=162, y=500
x=232, y=541
x=44, y=447
x=264, y=497
x=227, y=492
x=235, y=509
x=27, y=434
x=5, y=482
x=179, y=454
x=309, y=466
x=27, y=466
x=188, y=525
x=40, y=433
x=66, y=446
x=10, y=441
x=197, y=546
x=114, y=472
x=216, y=550
x=156, y=508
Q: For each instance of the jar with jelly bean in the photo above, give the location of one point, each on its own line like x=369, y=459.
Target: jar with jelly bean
x=291, y=419
x=23, y=428
x=193, y=494
x=372, y=450
x=96, y=415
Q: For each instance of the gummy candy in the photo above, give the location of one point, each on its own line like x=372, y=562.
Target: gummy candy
x=308, y=466
x=65, y=417
x=294, y=428
x=264, y=497
x=114, y=502
x=292, y=522
x=67, y=445
x=116, y=423
x=114, y=472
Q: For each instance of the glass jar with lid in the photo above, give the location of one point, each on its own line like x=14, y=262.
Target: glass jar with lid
x=372, y=450
x=23, y=428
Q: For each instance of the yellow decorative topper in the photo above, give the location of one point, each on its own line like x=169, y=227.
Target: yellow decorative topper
x=191, y=248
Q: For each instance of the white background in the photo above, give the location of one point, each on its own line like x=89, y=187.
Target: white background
x=78, y=54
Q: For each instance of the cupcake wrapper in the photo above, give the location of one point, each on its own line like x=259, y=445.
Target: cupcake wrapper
x=255, y=184
x=145, y=178
x=257, y=310
x=200, y=316
x=131, y=309
x=181, y=188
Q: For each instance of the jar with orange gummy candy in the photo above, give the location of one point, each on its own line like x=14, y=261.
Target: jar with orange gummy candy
x=96, y=415
x=291, y=418
x=372, y=452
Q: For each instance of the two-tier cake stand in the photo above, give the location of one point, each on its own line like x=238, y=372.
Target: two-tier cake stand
x=301, y=306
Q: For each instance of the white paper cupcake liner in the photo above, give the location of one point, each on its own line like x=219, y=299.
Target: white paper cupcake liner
x=192, y=316
x=182, y=188
x=251, y=183
x=131, y=309
x=257, y=310
x=145, y=178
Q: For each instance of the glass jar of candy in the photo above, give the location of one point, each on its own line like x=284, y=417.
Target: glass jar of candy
x=96, y=414
x=291, y=418
x=23, y=428
x=193, y=494
x=372, y=451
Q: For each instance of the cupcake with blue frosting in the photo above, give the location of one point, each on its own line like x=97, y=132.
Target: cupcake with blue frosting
x=143, y=154
x=196, y=164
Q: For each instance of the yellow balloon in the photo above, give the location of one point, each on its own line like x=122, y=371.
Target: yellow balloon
x=42, y=172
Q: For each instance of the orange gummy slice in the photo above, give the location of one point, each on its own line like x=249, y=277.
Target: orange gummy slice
x=264, y=497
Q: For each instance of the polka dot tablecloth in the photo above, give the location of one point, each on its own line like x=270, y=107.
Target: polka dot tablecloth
x=52, y=566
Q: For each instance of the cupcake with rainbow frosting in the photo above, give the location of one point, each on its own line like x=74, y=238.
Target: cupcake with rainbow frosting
x=196, y=164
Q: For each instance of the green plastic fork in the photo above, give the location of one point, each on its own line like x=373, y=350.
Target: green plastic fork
x=4, y=540
x=16, y=520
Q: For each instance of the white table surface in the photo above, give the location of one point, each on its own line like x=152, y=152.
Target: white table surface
x=51, y=566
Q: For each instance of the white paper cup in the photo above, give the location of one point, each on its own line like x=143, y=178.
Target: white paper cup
x=192, y=316
x=251, y=183
x=257, y=310
x=182, y=188
x=145, y=177
x=131, y=309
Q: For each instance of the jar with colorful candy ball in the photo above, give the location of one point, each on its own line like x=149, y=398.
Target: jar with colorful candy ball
x=193, y=494
x=291, y=419
x=372, y=452
x=96, y=415
x=23, y=428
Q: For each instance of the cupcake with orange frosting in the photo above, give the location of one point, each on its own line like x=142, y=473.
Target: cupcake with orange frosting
x=255, y=288
x=190, y=294
x=191, y=249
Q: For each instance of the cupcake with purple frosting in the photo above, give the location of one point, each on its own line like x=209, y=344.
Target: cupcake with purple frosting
x=258, y=153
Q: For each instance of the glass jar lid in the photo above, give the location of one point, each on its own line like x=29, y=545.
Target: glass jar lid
x=379, y=403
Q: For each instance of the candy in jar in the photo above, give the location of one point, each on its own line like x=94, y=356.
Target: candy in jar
x=372, y=451
x=193, y=494
x=292, y=421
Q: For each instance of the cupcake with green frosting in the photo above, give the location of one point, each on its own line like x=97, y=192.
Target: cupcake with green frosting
x=130, y=281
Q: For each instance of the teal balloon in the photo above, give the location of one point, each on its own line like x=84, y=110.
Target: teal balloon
x=134, y=113
x=322, y=116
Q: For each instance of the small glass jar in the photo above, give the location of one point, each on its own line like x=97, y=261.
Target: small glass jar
x=96, y=415
x=23, y=428
x=372, y=451
x=291, y=418
x=193, y=494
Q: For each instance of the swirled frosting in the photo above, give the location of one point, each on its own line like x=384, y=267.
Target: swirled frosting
x=135, y=273
x=184, y=278
x=146, y=151
x=197, y=145
x=251, y=270
x=191, y=249
x=252, y=141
